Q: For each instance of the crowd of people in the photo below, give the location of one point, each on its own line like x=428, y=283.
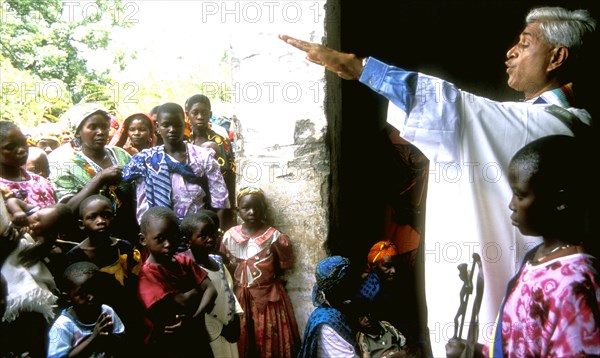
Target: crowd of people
x=94, y=223
x=121, y=239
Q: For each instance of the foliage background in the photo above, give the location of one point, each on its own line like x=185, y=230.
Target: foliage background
x=55, y=54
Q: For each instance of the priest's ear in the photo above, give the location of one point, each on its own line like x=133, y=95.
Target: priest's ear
x=558, y=57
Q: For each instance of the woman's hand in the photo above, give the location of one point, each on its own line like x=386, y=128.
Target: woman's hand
x=112, y=174
x=130, y=148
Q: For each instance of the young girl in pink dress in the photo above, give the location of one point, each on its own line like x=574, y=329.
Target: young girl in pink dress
x=28, y=188
x=552, y=305
x=258, y=253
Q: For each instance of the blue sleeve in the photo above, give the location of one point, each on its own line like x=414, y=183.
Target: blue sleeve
x=60, y=340
x=136, y=168
x=118, y=327
x=397, y=85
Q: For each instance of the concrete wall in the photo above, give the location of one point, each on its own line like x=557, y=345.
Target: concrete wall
x=282, y=129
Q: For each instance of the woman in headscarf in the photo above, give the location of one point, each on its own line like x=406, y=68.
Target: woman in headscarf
x=328, y=332
x=387, y=292
x=135, y=134
x=87, y=166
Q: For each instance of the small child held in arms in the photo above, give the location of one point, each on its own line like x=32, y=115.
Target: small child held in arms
x=201, y=231
x=175, y=292
x=551, y=306
x=87, y=328
x=118, y=261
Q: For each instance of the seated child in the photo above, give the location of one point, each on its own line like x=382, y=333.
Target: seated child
x=88, y=327
x=174, y=291
x=118, y=261
x=375, y=338
x=201, y=231
x=30, y=284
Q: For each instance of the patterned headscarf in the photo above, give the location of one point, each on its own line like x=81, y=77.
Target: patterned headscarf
x=251, y=190
x=329, y=273
x=381, y=250
x=79, y=112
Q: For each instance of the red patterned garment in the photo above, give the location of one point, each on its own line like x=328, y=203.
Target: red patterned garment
x=553, y=309
x=269, y=327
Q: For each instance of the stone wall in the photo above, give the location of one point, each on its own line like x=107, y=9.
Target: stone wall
x=279, y=100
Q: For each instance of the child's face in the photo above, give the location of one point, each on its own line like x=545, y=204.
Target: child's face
x=527, y=212
x=47, y=144
x=43, y=222
x=203, y=237
x=199, y=116
x=365, y=324
x=251, y=208
x=161, y=239
x=13, y=148
x=171, y=127
x=96, y=217
x=82, y=296
x=39, y=166
x=139, y=132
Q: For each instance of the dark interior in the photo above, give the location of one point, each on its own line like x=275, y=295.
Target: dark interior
x=464, y=42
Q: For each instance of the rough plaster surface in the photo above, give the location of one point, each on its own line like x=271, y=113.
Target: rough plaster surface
x=278, y=100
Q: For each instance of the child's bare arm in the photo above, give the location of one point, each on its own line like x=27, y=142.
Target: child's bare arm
x=18, y=209
x=101, y=339
x=208, y=298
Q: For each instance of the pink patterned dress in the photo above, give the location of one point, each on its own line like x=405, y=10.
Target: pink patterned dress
x=553, y=310
x=35, y=190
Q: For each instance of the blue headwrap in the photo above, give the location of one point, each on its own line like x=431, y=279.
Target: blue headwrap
x=329, y=274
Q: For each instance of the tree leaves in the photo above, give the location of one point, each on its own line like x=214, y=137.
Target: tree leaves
x=43, y=70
